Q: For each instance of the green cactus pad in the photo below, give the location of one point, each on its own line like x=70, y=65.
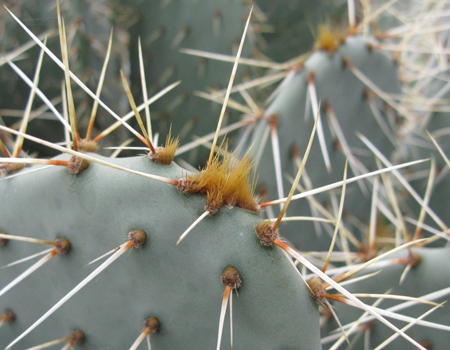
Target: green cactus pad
x=430, y=275
x=337, y=85
x=180, y=284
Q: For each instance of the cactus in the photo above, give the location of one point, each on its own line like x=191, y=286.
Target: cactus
x=165, y=29
x=181, y=209
x=178, y=284
x=172, y=291
x=89, y=26
x=426, y=279
x=349, y=106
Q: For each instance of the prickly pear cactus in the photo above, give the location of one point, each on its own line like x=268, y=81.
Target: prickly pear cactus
x=167, y=27
x=89, y=26
x=427, y=279
x=347, y=109
x=172, y=290
x=289, y=26
x=180, y=284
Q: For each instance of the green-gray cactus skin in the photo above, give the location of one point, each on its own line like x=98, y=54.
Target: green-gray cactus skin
x=430, y=275
x=211, y=26
x=292, y=22
x=88, y=26
x=335, y=84
x=130, y=203
x=180, y=285
x=166, y=27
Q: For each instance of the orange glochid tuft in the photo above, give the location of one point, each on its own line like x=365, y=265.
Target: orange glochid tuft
x=63, y=245
x=266, y=233
x=13, y=167
x=87, y=145
x=165, y=155
x=77, y=337
x=152, y=324
x=414, y=259
x=329, y=39
x=8, y=317
x=224, y=182
x=138, y=237
x=317, y=289
x=231, y=278
x=77, y=165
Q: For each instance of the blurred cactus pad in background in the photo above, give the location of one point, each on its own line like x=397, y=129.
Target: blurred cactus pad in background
x=200, y=174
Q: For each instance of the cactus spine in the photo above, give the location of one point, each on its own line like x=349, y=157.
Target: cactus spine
x=175, y=289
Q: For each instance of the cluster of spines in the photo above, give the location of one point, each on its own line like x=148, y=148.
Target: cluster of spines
x=330, y=42
x=219, y=201
x=137, y=238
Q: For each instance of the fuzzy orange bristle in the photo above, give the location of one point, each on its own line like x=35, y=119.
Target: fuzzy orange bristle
x=13, y=167
x=77, y=165
x=165, y=155
x=87, y=145
x=317, y=289
x=214, y=199
x=329, y=38
x=224, y=182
